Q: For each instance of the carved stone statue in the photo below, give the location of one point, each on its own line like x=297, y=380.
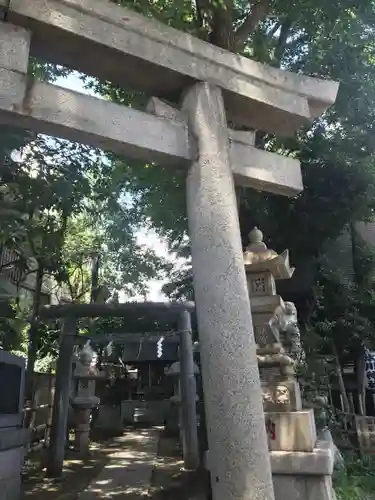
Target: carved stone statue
x=291, y=331
x=280, y=395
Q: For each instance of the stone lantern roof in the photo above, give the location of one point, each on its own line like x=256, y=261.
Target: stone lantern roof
x=258, y=258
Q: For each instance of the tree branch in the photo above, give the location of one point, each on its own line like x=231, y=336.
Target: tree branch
x=199, y=14
x=257, y=14
x=222, y=34
x=281, y=43
x=70, y=286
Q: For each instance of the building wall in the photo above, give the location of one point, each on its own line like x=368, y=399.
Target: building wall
x=12, y=281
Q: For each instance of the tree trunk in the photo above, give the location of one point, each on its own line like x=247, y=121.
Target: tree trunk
x=94, y=278
x=353, y=240
x=34, y=339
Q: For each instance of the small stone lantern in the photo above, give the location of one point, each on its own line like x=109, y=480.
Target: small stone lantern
x=85, y=400
x=289, y=427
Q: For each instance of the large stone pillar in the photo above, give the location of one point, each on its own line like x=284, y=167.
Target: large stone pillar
x=238, y=453
x=188, y=394
x=61, y=398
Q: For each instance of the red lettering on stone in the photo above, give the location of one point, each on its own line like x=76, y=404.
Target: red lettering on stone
x=271, y=429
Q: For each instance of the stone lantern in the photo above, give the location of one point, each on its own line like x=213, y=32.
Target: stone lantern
x=84, y=400
x=289, y=427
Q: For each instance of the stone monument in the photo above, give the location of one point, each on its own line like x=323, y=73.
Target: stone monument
x=13, y=438
x=84, y=400
x=290, y=428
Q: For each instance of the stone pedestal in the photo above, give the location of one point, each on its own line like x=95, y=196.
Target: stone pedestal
x=13, y=444
x=13, y=438
x=301, y=475
x=83, y=408
x=82, y=431
x=291, y=431
x=304, y=476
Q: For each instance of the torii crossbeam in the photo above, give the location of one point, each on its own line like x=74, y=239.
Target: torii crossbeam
x=210, y=87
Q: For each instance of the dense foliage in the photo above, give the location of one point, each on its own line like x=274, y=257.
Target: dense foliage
x=314, y=37
x=63, y=228
x=59, y=206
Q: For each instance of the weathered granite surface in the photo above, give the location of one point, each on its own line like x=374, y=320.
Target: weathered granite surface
x=56, y=111
x=303, y=488
x=11, y=463
x=318, y=463
x=13, y=437
x=59, y=112
x=10, y=488
x=237, y=439
x=15, y=47
x=251, y=167
x=131, y=47
x=291, y=430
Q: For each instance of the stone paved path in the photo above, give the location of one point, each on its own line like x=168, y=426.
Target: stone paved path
x=128, y=472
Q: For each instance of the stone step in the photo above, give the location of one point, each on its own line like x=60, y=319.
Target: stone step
x=303, y=488
x=319, y=462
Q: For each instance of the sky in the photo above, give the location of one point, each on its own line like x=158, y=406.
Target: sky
x=147, y=238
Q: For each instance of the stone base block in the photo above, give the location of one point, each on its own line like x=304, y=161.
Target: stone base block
x=303, y=488
x=294, y=463
x=13, y=437
x=281, y=396
x=10, y=488
x=291, y=431
x=304, y=476
x=11, y=463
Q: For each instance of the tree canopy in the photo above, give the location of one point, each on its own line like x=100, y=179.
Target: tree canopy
x=59, y=206
x=337, y=154
x=317, y=38
x=314, y=37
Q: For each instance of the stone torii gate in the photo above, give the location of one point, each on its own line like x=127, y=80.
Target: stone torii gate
x=208, y=86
